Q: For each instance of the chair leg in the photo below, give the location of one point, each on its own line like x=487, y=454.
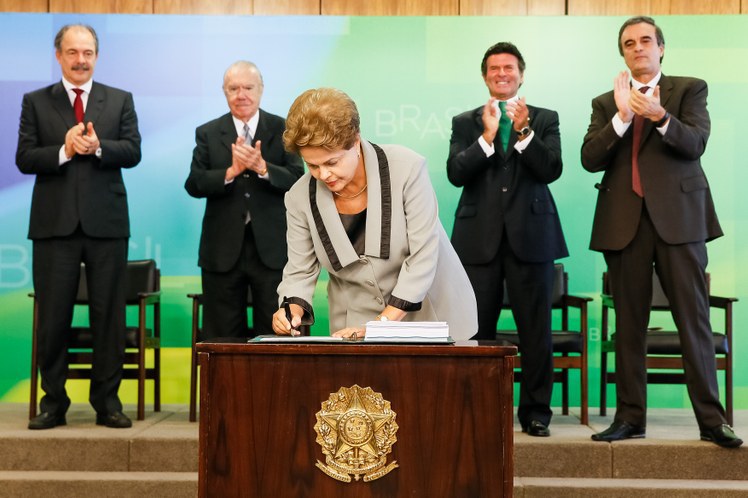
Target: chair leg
x=603, y=383
x=728, y=390
x=141, y=385
x=565, y=391
x=141, y=360
x=157, y=378
x=157, y=356
x=193, y=386
x=584, y=401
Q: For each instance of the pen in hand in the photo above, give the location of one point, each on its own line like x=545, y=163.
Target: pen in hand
x=287, y=308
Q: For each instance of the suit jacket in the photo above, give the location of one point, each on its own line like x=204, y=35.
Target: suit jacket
x=407, y=262
x=676, y=191
x=508, y=191
x=85, y=191
x=226, y=204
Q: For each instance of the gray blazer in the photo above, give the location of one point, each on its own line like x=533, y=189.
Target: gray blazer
x=408, y=260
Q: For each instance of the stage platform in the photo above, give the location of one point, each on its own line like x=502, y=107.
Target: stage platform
x=157, y=457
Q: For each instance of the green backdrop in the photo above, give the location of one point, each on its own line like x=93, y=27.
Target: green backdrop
x=409, y=76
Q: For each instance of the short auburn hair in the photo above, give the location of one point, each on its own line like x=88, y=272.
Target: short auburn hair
x=322, y=117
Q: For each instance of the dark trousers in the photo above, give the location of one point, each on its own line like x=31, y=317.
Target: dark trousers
x=56, y=269
x=681, y=269
x=530, y=287
x=225, y=295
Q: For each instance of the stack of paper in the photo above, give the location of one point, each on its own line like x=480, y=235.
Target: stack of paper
x=422, y=332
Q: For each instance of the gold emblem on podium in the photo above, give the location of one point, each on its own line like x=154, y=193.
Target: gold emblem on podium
x=356, y=430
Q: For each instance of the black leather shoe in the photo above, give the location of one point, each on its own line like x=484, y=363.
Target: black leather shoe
x=618, y=431
x=721, y=435
x=46, y=420
x=538, y=429
x=115, y=420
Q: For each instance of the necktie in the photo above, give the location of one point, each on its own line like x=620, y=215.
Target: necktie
x=248, y=141
x=247, y=135
x=636, y=183
x=505, y=126
x=78, y=105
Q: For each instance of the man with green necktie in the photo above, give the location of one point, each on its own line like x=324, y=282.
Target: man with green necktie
x=504, y=154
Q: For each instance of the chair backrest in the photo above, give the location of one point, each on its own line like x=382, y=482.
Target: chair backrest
x=142, y=276
x=560, y=287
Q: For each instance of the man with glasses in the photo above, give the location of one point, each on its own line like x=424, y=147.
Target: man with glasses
x=240, y=167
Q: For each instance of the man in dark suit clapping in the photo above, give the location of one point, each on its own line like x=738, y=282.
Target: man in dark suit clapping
x=504, y=154
x=655, y=212
x=76, y=136
x=240, y=167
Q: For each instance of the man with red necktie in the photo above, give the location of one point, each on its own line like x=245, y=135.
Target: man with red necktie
x=75, y=136
x=655, y=213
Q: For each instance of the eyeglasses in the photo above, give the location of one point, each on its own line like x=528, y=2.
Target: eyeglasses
x=235, y=90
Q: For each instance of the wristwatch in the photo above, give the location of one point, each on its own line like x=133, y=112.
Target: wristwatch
x=382, y=318
x=524, y=132
x=98, y=152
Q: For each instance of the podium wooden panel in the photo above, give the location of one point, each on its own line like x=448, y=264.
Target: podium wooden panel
x=258, y=403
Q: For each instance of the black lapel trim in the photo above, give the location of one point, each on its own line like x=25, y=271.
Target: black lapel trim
x=386, y=193
x=386, y=188
x=321, y=230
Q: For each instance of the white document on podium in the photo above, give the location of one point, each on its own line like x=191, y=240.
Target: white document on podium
x=297, y=338
x=419, y=332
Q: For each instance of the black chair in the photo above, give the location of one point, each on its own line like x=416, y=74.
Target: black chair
x=663, y=346
x=569, y=346
x=143, y=292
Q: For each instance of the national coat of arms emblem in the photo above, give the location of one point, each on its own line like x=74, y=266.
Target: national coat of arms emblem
x=356, y=429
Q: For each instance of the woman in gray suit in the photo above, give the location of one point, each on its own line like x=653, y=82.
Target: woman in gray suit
x=369, y=216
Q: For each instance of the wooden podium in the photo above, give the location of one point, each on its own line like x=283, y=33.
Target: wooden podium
x=258, y=406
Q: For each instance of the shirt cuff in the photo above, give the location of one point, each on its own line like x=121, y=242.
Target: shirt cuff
x=488, y=149
x=521, y=145
x=619, y=126
x=62, y=157
x=225, y=181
